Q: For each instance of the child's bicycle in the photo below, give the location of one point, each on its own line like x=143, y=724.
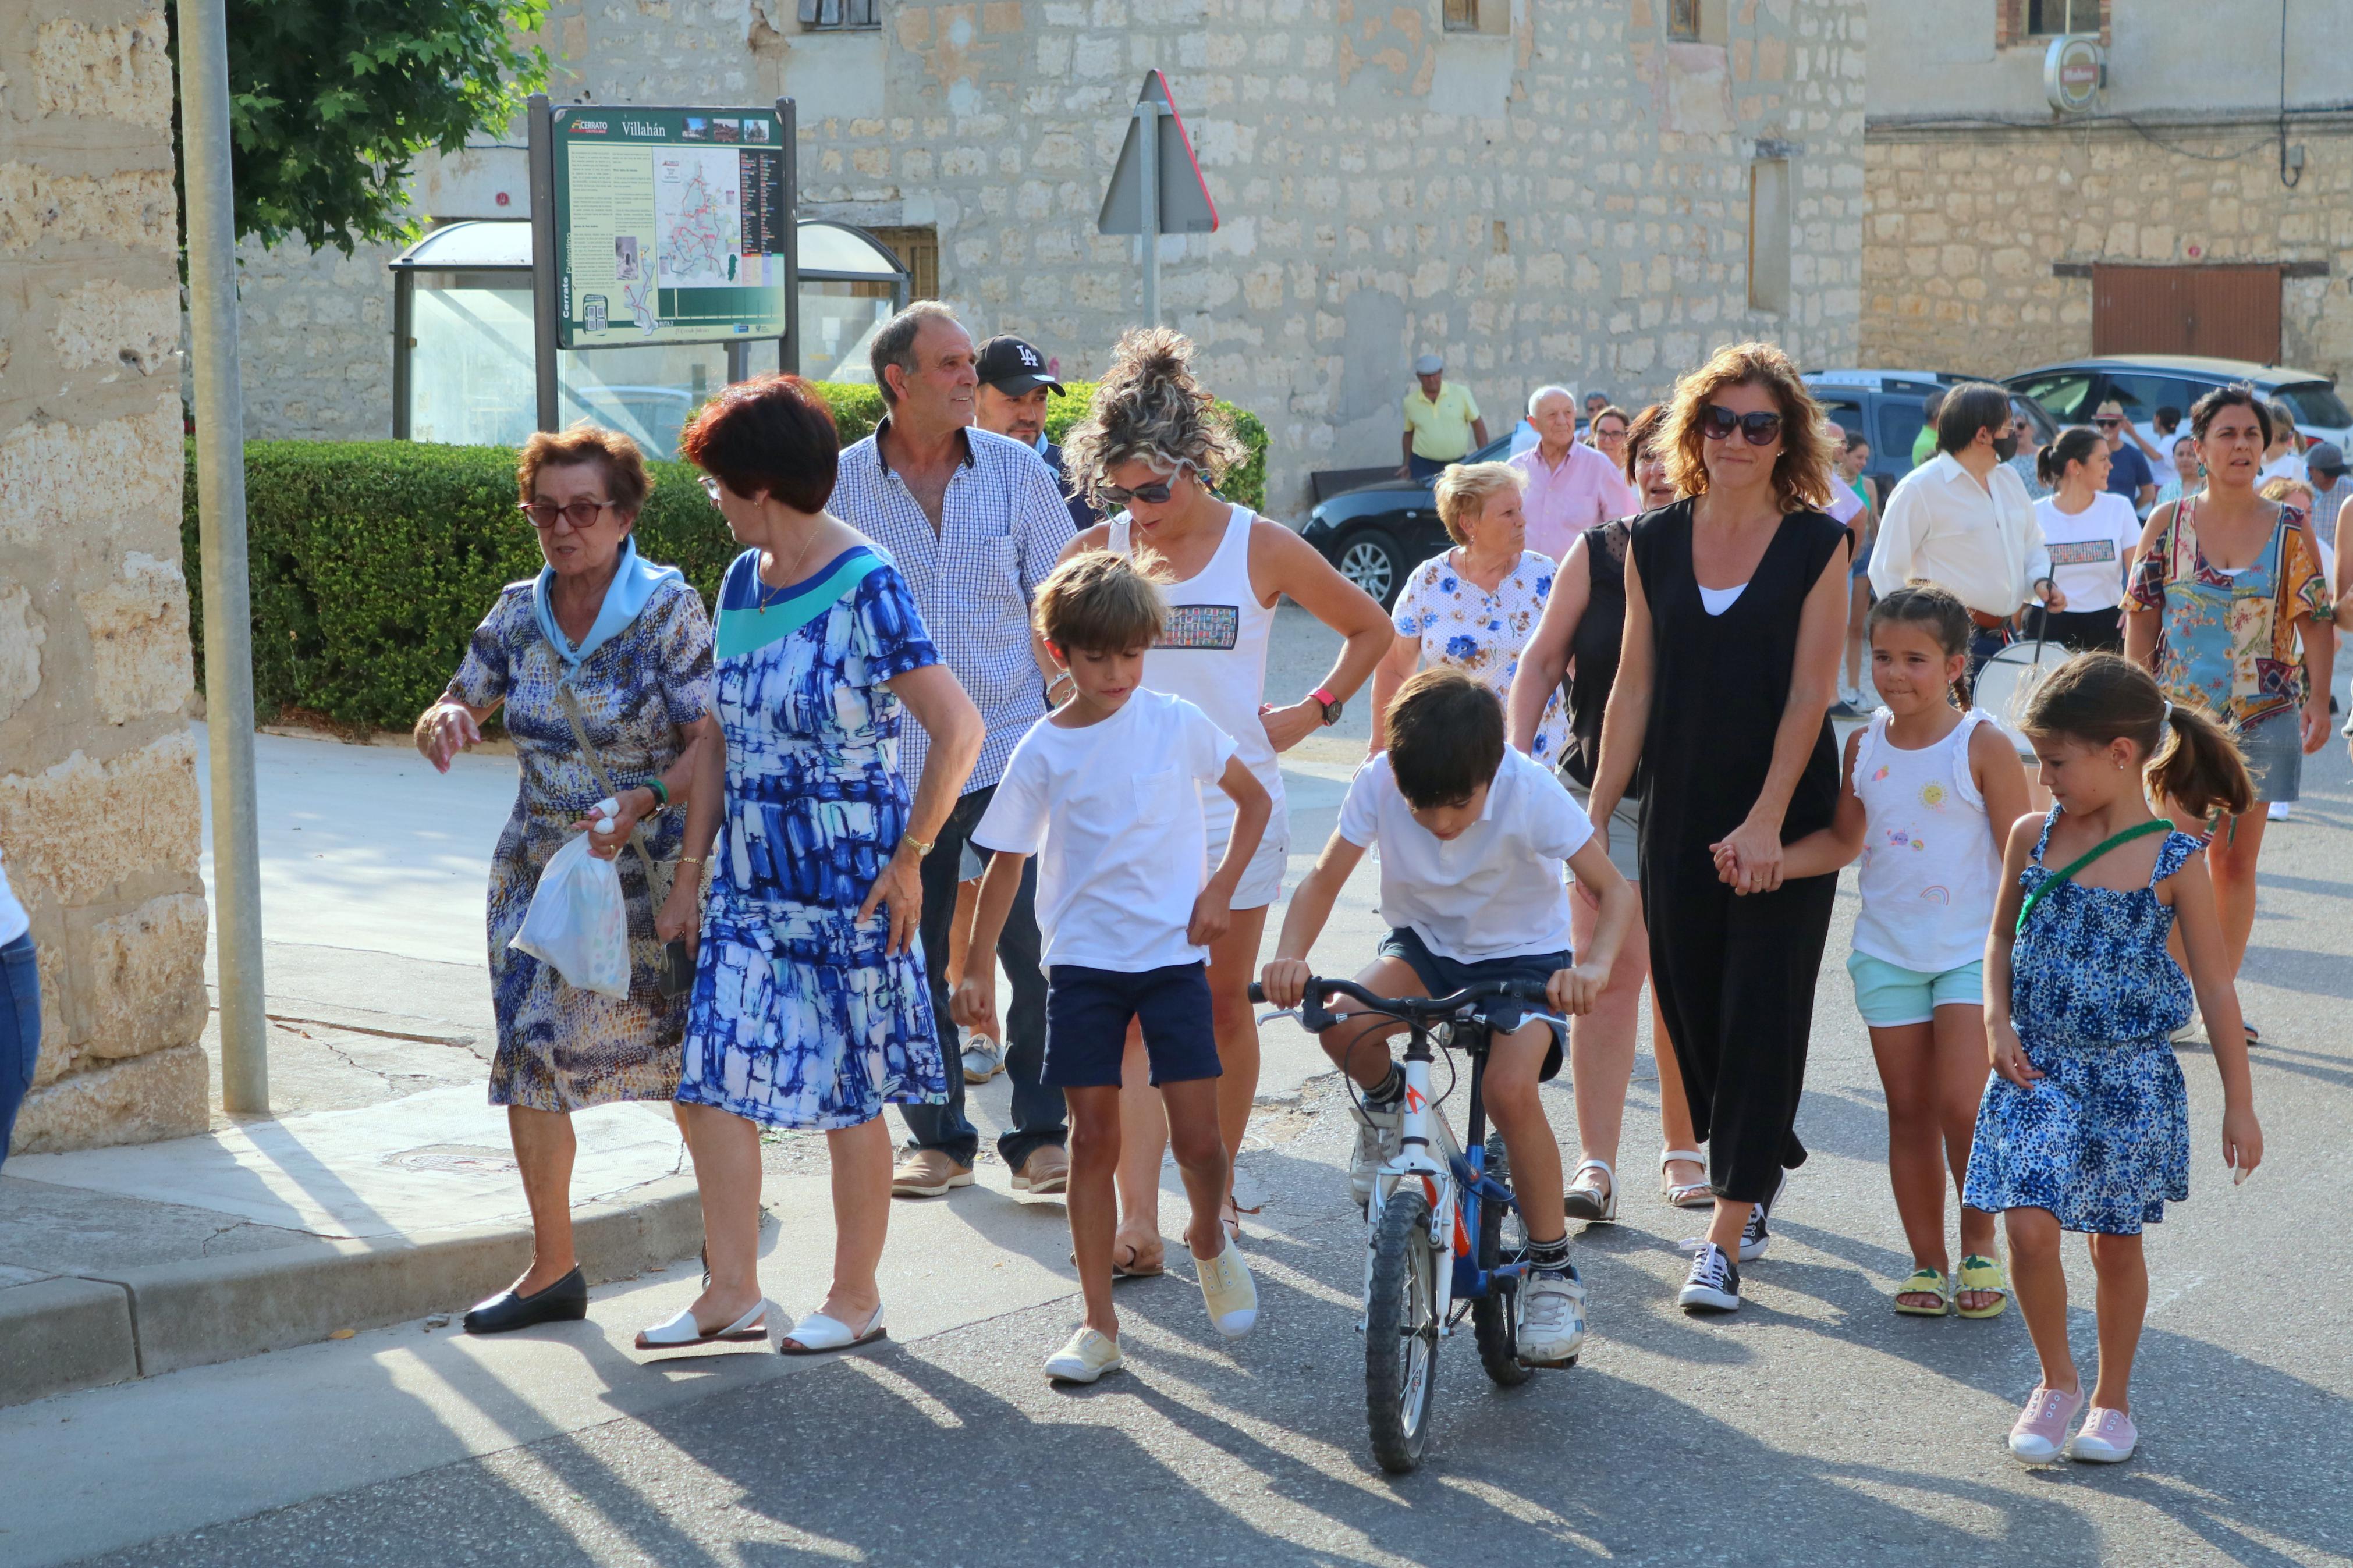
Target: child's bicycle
x=1435, y=1202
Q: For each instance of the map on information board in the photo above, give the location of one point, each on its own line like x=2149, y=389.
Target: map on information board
x=671, y=225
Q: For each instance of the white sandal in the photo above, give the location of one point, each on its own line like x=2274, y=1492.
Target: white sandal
x=1684, y=1195
x=683, y=1332
x=1592, y=1204
x=816, y=1334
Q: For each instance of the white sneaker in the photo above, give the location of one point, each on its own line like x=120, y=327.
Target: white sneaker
x=1380, y=1134
x=1714, y=1285
x=1087, y=1357
x=1552, y=1319
x=984, y=1058
x=2279, y=810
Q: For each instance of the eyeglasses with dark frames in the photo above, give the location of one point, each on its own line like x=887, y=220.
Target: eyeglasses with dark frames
x=581, y=514
x=1157, y=493
x=1761, y=429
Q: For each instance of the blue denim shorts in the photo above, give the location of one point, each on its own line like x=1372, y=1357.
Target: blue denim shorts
x=1087, y=1015
x=1441, y=976
x=20, y=1031
x=2273, y=748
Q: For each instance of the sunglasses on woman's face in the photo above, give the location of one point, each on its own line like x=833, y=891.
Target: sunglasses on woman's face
x=1759, y=429
x=1157, y=493
x=580, y=515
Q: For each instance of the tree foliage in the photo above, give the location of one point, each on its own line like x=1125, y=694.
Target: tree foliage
x=330, y=101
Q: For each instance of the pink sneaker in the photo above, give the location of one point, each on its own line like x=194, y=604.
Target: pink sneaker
x=2108, y=1438
x=2042, y=1430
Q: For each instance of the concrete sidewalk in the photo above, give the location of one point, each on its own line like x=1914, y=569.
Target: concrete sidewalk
x=382, y=1188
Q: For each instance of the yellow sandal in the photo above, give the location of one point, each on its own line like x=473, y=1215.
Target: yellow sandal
x=1984, y=1274
x=1925, y=1282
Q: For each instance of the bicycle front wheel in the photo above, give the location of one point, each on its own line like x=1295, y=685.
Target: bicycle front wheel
x=1401, y=1332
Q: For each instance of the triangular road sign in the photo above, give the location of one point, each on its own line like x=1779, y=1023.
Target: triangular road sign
x=1185, y=204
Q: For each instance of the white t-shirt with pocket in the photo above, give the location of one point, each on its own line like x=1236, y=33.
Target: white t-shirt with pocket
x=2088, y=548
x=1113, y=812
x=1496, y=890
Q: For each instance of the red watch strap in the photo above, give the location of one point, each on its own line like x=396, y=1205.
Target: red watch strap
x=1324, y=695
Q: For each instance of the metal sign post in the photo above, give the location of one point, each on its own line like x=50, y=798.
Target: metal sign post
x=1156, y=186
x=220, y=522
x=545, y=308
x=788, y=348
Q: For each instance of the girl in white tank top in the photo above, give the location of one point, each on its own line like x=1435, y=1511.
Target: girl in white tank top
x=1213, y=654
x=1928, y=796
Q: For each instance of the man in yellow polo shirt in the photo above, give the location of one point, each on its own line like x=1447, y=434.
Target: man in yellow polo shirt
x=1442, y=422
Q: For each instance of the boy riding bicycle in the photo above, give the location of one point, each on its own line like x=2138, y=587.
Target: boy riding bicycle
x=1472, y=837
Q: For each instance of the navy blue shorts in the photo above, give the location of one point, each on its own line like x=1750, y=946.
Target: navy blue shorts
x=1087, y=1015
x=1442, y=976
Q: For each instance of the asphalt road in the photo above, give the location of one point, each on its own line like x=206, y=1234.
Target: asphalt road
x=1814, y=1426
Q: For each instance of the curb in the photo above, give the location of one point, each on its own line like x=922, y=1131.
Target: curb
x=85, y=1332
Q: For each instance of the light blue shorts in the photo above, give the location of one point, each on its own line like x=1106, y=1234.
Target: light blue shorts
x=1888, y=994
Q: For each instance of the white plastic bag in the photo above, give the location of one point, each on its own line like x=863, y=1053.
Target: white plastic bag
x=578, y=922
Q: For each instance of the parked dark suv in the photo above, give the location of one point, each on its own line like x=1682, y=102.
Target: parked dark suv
x=1890, y=407
x=2144, y=383
x=1377, y=534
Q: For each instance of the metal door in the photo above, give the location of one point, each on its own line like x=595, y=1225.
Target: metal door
x=2228, y=312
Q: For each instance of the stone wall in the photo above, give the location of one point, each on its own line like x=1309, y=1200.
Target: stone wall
x=1966, y=227
x=98, y=788
x=1563, y=199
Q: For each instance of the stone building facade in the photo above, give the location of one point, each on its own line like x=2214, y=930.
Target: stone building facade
x=1989, y=211
x=1541, y=190
x=98, y=788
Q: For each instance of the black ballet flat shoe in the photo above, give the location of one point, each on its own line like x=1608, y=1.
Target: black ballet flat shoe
x=565, y=1301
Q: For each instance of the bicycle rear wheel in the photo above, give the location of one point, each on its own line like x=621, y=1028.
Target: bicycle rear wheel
x=1401, y=1332
x=1494, y=1318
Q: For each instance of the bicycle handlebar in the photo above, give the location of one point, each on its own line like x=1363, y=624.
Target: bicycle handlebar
x=1422, y=1010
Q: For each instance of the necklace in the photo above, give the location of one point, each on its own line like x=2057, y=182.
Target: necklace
x=786, y=574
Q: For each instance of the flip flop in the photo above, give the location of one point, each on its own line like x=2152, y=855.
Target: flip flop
x=1925, y=1282
x=1984, y=1275
x=817, y=1334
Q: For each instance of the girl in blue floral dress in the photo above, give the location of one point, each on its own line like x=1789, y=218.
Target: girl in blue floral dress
x=810, y=1007
x=2084, y=1125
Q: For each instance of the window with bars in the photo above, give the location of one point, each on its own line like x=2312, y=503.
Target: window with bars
x=2048, y=18
x=1683, y=20
x=831, y=15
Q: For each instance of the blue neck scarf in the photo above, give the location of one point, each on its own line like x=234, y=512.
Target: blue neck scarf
x=634, y=582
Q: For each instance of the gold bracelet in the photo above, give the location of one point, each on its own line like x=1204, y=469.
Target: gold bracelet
x=691, y=860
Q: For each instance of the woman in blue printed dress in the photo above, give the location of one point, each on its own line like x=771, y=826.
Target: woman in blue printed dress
x=1476, y=605
x=810, y=1006
x=2085, y=1121
x=628, y=639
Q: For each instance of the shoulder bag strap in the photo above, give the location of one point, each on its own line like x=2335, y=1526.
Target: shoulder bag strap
x=2160, y=825
x=656, y=884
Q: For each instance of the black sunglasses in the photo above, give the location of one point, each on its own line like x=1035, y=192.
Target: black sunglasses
x=1157, y=493
x=1759, y=429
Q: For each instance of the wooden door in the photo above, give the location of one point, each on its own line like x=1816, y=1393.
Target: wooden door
x=2229, y=312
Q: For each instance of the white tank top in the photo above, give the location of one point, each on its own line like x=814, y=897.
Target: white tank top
x=1929, y=872
x=1213, y=654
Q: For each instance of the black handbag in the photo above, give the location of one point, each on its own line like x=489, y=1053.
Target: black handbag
x=677, y=974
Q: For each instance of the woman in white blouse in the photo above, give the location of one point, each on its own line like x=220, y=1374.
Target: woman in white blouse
x=1476, y=605
x=2091, y=532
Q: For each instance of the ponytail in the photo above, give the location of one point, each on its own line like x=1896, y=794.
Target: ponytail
x=2201, y=766
x=2188, y=757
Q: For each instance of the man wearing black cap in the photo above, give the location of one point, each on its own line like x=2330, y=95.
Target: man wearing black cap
x=1015, y=382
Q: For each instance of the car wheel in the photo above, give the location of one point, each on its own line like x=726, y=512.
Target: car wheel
x=1371, y=559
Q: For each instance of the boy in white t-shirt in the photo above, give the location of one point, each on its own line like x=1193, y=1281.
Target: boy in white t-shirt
x=1472, y=836
x=1105, y=791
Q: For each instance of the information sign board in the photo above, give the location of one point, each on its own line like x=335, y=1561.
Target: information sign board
x=671, y=225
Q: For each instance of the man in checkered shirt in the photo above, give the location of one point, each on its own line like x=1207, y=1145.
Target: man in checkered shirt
x=975, y=523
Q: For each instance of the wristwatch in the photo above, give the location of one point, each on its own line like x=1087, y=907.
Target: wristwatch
x=1322, y=697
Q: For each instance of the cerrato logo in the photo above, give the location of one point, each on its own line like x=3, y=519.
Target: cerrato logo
x=589, y=128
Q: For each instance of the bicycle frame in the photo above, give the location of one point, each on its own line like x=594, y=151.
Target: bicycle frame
x=1452, y=1176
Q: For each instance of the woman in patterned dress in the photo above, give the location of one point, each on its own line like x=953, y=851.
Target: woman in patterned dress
x=630, y=641
x=1476, y=605
x=810, y=1006
x=2228, y=609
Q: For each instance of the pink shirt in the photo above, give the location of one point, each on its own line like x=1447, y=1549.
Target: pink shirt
x=1560, y=503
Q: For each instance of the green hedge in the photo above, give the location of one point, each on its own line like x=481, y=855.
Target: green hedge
x=372, y=562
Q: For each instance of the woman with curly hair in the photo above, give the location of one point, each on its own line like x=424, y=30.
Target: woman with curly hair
x=1150, y=453
x=1735, y=614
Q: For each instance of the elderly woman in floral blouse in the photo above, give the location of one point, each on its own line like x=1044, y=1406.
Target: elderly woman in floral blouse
x=1476, y=605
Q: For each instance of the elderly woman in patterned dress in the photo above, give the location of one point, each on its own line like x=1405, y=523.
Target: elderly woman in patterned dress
x=629, y=640
x=1476, y=605
x=811, y=1008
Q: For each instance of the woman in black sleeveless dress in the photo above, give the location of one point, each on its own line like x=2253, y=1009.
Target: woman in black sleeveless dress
x=1735, y=614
